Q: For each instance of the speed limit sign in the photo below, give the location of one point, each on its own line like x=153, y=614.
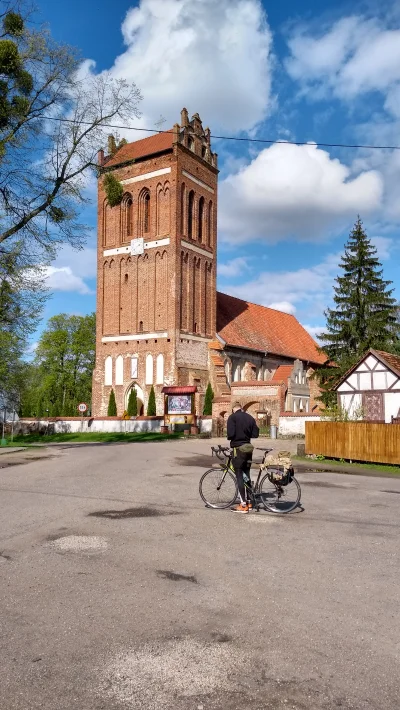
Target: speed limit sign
x=82, y=407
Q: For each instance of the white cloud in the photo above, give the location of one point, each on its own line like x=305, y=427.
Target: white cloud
x=63, y=279
x=353, y=56
x=307, y=289
x=314, y=330
x=383, y=246
x=213, y=57
x=284, y=306
x=82, y=262
x=234, y=267
x=297, y=192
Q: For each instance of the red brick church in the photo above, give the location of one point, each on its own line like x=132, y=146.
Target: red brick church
x=160, y=320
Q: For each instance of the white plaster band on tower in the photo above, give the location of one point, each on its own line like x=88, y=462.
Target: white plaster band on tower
x=188, y=245
x=128, y=250
x=135, y=336
x=146, y=176
x=197, y=181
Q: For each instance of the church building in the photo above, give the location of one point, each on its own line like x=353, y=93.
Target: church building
x=160, y=320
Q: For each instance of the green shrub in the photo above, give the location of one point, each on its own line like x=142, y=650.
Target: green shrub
x=151, y=406
x=132, y=403
x=114, y=190
x=208, y=400
x=112, y=405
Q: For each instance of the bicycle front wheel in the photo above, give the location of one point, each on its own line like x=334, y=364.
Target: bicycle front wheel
x=279, y=499
x=218, y=488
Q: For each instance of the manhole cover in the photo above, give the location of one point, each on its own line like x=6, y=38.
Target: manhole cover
x=79, y=543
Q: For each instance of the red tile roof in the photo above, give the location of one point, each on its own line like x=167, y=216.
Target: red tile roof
x=247, y=325
x=282, y=374
x=188, y=389
x=139, y=149
x=390, y=359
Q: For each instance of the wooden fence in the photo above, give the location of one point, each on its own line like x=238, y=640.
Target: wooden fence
x=357, y=441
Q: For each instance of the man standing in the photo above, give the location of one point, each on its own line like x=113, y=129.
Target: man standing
x=241, y=428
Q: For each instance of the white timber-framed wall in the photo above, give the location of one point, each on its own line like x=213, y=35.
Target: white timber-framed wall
x=373, y=386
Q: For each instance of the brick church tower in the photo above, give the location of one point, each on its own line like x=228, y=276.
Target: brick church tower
x=156, y=293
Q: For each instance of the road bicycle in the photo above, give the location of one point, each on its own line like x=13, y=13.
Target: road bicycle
x=277, y=491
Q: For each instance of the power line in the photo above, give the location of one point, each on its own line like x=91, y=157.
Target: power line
x=238, y=138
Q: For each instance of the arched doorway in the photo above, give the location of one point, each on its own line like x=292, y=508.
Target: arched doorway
x=140, y=398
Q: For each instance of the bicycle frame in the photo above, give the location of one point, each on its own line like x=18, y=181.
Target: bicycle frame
x=227, y=466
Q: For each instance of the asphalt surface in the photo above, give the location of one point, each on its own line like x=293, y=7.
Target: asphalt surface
x=120, y=590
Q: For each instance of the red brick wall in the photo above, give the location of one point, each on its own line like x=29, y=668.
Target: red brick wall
x=156, y=292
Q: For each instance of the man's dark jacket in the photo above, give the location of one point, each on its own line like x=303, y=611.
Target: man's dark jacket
x=241, y=427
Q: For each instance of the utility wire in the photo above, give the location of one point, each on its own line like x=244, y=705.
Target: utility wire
x=237, y=138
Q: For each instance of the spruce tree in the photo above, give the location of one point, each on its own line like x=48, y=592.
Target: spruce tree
x=112, y=405
x=208, y=400
x=151, y=406
x=364, y=315
x=132, y=403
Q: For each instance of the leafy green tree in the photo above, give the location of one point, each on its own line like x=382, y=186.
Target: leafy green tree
x=132, y=403
x=112, y=405
x=365, y=312
x=44, y=158
x=151, y=405
x=61, y=374
x=208, y=400
x=22, y=297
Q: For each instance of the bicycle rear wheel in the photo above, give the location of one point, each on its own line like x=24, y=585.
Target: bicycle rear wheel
x=218, y=488
x=279, y=499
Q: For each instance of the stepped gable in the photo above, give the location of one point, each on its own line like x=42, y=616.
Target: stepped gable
x=248, y=325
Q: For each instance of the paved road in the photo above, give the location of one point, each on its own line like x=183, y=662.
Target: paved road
x=174, y=606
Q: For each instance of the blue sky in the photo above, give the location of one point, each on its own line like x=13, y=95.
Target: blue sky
x=311, y=71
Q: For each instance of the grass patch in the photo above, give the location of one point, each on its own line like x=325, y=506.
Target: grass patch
x=89, y=437
x=379, y=467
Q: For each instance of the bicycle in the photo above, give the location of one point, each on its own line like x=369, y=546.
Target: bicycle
x=278, y=491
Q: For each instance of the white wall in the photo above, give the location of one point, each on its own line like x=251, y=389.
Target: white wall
x=392, y=405
x=104, y=425
x=351, y=402
x=295, y=425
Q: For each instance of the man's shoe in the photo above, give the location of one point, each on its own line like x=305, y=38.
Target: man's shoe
x=241, y=509
x=250, y=505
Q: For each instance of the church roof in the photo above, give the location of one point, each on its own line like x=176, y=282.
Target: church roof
x=151, y=145
x=247, y=325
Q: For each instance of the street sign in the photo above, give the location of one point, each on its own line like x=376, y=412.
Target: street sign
x=82, y=407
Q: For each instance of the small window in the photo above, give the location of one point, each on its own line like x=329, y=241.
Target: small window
x=195, y=328
x=191, y=144
x=203, y=151
x=141, y=327
x=126, y=278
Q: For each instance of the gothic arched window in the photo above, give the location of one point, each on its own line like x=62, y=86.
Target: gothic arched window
x=183, y=200
x=191, y=214
x=201, y=219
x=129, y=217
x=146, y=219
x=144, y=212
x=209, y=223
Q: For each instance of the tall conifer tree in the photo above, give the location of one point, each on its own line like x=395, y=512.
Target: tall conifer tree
x=364, y=315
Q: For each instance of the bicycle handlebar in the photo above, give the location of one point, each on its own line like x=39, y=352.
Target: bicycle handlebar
x=221, y=451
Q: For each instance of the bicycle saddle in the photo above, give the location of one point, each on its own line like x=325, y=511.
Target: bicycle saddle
x=258, y=448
